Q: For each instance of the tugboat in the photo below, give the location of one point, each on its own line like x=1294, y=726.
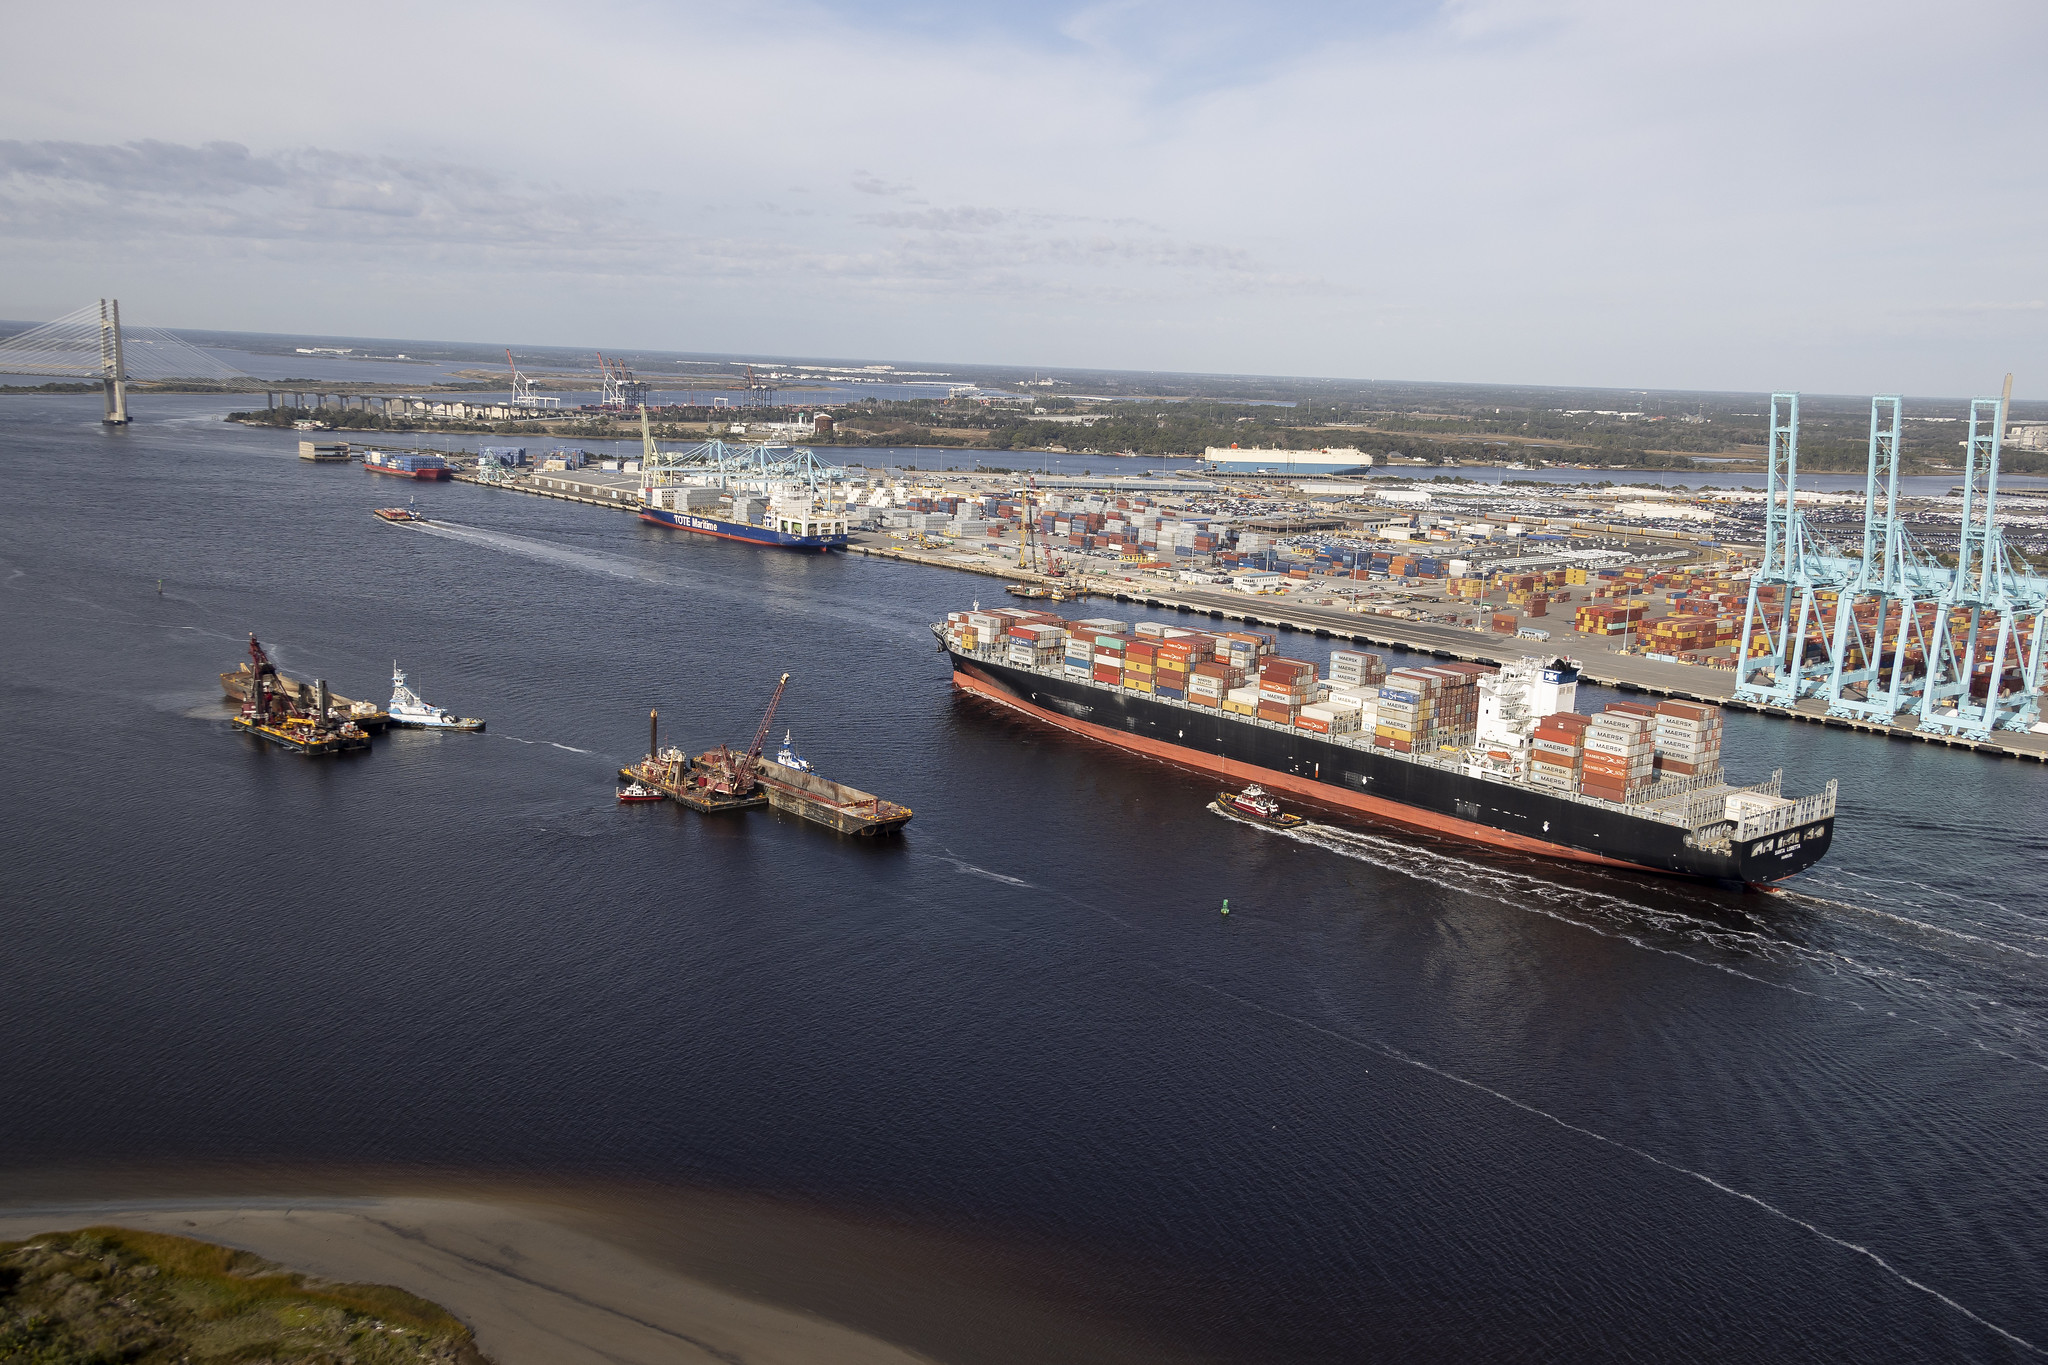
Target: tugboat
x=399, y=514
x=638, y=792
x=408, y=708
x=1253, y=804
x=788, y=756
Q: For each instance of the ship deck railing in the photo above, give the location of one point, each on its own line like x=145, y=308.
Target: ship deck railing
x=1696, y=803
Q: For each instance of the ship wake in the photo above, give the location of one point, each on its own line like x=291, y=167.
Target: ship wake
x=1884, y=961
x=587, y=561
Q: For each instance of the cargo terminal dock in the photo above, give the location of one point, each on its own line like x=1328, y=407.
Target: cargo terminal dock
x=1645, y=587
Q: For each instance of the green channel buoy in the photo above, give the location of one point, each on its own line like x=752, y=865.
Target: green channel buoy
x=1226, y=906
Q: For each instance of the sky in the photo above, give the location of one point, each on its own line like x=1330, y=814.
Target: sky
x=1736, y=195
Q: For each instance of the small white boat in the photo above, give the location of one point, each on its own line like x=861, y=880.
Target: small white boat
x=408, y=708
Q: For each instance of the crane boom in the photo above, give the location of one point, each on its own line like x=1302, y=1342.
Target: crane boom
x=767, y=719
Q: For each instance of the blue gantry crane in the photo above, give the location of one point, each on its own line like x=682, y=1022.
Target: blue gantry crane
x=1894, y=630
x=1990, y=592
x=736, y=466
x=1889, y=595
x=1801, y=579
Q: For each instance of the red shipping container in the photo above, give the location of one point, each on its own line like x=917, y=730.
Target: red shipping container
x=1277, y=712
x=1316, y=723
x=1108, y=675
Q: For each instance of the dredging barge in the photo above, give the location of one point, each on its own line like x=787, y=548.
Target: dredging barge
x=1500, y=758
x=721, y=780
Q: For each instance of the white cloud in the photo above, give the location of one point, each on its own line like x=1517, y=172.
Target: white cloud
x=1735, y=195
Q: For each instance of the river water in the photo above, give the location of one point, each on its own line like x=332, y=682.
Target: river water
x=1407, y=1100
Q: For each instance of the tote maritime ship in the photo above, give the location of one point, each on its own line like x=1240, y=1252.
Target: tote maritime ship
x=792, y=518
x=1495, y=757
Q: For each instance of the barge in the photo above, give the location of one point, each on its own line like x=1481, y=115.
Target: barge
x=822, y=801
x=1499, y=758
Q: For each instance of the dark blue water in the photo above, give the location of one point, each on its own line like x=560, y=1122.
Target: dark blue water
x=1407, y=1101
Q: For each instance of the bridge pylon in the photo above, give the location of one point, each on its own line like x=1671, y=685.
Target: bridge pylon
x=113, y=364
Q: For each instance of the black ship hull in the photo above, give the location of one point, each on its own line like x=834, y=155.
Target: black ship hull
x=1305, y=765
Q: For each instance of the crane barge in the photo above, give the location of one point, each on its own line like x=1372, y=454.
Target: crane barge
x=722, y=780
x=277, y=716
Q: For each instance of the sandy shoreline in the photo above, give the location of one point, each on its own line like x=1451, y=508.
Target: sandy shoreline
x=535, y=1291
x=568, y=1272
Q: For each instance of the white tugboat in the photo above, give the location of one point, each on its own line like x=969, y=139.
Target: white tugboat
x=788, y=757
x=408, y=708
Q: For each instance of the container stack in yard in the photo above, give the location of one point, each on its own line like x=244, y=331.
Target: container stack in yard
x=1609, y=618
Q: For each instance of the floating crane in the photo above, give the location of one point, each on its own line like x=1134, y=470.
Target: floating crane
x=269, y=714
x=731, y=775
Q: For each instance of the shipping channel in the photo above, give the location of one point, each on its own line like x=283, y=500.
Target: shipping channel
x=1408, y=1100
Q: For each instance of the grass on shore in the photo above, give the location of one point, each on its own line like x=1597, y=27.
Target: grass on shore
x=108, y=1294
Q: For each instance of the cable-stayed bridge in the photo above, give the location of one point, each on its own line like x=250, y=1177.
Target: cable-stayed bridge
x=91, y=344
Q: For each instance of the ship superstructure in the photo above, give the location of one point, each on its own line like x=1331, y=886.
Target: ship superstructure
x=1497, y=757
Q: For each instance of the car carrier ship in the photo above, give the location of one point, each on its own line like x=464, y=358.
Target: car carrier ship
x=1497, y=757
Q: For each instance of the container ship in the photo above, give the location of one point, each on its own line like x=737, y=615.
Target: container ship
x=1500, y=757
x=793, y=519
x=789, y=523
x=407, y=466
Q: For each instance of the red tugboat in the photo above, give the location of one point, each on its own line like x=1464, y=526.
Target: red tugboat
x=638, y=792
x=1253, y=804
